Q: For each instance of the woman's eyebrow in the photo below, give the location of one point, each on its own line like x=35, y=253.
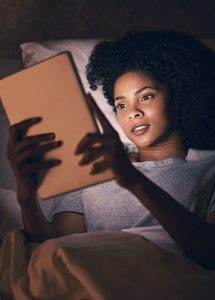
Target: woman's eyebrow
x=156, y=88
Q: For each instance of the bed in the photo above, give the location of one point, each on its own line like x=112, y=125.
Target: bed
x=97, y=265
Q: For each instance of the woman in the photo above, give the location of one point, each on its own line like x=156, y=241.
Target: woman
x=161, y=86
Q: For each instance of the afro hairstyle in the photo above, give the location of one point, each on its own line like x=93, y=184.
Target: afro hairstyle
x=181, y=62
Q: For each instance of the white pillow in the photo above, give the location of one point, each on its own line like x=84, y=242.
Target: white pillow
x=81, y=50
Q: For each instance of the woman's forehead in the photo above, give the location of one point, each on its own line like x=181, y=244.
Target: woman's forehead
x=133, y=81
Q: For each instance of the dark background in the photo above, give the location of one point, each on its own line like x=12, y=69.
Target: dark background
x=33, y=20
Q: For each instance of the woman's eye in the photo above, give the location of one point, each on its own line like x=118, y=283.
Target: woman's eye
x=146, y=97
x=121, y=106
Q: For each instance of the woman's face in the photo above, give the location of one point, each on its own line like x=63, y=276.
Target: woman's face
x=142, y=106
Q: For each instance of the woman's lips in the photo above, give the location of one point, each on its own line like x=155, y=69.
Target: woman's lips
x=140, y=129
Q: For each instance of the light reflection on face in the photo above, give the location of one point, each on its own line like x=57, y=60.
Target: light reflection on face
x=142, y=106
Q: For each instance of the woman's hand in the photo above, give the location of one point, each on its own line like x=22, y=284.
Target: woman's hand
x=108, y=146
x=26, y=156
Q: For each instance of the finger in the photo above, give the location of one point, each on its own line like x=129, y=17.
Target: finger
x=92, y=154
x=33, y=140
x=18, y=131
x=100, y=167
x=93, y=138
x=36, y=153
x=88, y=140
x=36, y=167
x=107, y=127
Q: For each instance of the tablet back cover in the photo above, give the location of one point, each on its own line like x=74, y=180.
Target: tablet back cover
x=52, y=90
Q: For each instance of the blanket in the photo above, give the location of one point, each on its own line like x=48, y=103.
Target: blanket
x=107, y=265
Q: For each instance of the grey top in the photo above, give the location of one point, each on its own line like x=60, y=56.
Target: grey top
x=107, y=206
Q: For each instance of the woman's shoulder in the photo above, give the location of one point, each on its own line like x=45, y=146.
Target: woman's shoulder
x=197, y=155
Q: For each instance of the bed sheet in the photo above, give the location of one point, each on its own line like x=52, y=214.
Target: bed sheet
x=107, y=265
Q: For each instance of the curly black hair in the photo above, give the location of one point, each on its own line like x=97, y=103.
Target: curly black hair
x=183, y=63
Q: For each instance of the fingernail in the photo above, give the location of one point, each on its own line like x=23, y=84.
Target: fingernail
x=77, y=151
x=93, y=171
x=52, y=135
x=37, y=119
x=83, y=161
x=80, y=163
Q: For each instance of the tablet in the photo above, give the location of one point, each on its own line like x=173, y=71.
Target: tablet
x=52, y=89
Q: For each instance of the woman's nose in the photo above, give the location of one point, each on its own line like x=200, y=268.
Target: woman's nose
x=135, y=114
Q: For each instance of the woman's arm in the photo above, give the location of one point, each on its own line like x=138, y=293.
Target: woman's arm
x=37, y=227
x=195, y=236
x=26, y=156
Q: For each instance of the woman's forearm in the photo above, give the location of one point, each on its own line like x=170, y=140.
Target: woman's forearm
x=194, y=235
x=36, y=225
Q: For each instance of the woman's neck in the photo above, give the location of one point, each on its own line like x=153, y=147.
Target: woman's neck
x=172, y=147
